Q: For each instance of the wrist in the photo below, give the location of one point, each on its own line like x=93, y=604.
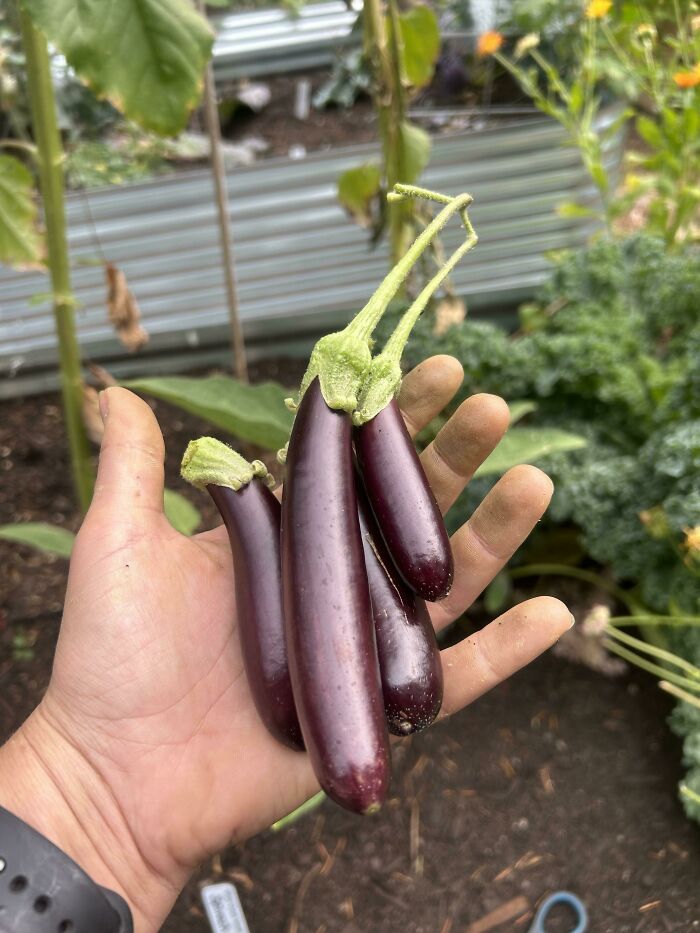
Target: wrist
x=47, y=783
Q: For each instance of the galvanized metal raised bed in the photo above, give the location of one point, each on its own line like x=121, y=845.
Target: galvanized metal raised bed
x=302, y=265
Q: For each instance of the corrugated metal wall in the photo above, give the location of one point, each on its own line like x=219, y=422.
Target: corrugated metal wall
x=301, y=264
x=264, y=42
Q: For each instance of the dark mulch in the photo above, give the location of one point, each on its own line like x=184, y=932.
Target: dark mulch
x=323, y=129
x=560, y=778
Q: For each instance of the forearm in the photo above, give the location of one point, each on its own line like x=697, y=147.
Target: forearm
x=47, y=783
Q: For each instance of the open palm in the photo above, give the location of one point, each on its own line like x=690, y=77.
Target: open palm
x=148, y=685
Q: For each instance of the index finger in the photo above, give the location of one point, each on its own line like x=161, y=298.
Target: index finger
x=427, y=389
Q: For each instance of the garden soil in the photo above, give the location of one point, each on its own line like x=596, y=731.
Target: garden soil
x=560, y=778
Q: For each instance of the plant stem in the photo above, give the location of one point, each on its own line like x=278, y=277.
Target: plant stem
x=660, y=672
x=389, y=101
x=397, y=341
x=48, y=140
x=577, y=573
x=366, y=321
x=660, y=653
x=619, y=621
x=680, y=695
x=218, y=169
x=400, y=214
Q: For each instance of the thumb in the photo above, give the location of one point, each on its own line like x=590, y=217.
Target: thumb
x=130, y=471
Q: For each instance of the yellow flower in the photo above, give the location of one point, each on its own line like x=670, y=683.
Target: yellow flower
x=646, y=33
x=489, y=42
x=686, y=79
x=692, y=538
x=597, y=9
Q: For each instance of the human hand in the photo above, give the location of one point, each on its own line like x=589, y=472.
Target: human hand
x=147, y=754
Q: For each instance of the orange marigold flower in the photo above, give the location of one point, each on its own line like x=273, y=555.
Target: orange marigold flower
x=687, y=79
x=597, y=9
x=489, y=42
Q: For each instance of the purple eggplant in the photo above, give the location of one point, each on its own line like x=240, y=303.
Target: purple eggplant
x=409, y=657
x=403, y=504
x=330, y=638
x=252, y=519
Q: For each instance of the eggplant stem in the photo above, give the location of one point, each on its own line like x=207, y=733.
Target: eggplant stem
x=365, y=322
x=342, y=360
x=384, y=377
x=208, y=462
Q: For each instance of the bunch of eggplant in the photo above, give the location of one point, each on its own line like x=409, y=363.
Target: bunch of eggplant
x=331, y=585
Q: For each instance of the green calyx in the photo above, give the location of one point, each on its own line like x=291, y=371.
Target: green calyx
x=343, y=361
x=381, y=386
x=208, y=462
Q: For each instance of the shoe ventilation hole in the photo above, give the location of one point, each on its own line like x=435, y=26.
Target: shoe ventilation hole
x=42, y=904
x=18, y=884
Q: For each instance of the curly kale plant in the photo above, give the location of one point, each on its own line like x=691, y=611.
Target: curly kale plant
x=611, y=350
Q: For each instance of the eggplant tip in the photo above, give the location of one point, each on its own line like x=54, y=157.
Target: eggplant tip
x=372, y=809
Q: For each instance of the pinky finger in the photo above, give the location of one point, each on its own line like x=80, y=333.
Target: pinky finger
x=485, y=659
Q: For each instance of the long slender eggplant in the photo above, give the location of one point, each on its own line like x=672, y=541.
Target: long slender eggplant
x=252, y=517
x=330, y=638
x=409, y=658
x=403, y=504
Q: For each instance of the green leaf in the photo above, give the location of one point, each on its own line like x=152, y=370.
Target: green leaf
x=528, y=445
x=649, y=132
x=146, y=57
x=421, y=44
x=256, y=414
x=572, y=209
x=416, y=146
x=497, y=592
x=599, y=175
x=519, y=409
x=40, y=535
x=576, y=98
x=20, y=242
x=357, y=190
x=180, y=512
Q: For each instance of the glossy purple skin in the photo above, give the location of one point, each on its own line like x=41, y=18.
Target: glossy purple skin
x=409, y=657
x=252, y=519
x=403, y=504
x=330, y=636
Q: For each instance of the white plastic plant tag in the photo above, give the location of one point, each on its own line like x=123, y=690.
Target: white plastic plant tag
x=223, y=908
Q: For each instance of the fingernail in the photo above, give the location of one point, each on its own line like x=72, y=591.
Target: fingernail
x=573, y=621
x=103, y=402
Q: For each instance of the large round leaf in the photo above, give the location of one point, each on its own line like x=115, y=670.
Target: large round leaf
x=146, y=57
x=253, y=413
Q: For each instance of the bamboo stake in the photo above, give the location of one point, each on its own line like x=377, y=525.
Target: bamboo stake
x=213, y=125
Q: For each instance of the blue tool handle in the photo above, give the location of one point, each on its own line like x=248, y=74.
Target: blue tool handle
x=561, y=897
